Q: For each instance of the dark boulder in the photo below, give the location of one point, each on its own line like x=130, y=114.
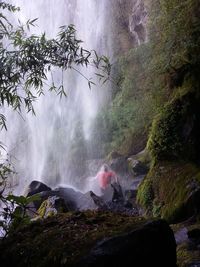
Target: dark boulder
x=130, y=198
x=36, y=187
x=192, y=205
x=99, y=202
x=137, y=167
x=74, y=200
x=118, y=196
x=151, y=245
x=69, y=196
x=115, y=203
x=194, y=236
x=194, y=264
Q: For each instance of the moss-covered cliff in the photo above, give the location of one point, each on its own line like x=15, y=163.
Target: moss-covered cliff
x=156, y=102
x=171, y=189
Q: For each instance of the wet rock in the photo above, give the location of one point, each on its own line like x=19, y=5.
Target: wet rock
x=116, y=203
x=122, y=208
x=130, y=198
x=74, y=200
x=98, y=201
x=118, y=196
x=191, y=207
x=52, y=206
x=36, y=187
x=137, y=22
x=194, y=236
x=151, y=245
x=70, y=196
x=138, y=168
x=128, y=205
x=181, y=236
x=194, y=264
x=130, y=194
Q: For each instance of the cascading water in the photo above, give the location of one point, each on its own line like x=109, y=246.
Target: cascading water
x=52, y=146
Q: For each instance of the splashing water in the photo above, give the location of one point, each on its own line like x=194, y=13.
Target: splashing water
x=51, y=146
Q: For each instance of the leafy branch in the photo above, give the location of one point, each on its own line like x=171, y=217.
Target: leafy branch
x=26, y=61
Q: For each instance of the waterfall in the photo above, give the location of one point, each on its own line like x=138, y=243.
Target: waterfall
x=52, y=146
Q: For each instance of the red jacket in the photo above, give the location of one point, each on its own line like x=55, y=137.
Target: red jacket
x=105, y=178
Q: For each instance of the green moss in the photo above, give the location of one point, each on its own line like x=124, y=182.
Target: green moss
x=42, y=209
x=186, y=253
x=174, y=133
x=186, y=256
x=145, y=195
x=156, y=209
x=62, y=239
x=167, y=188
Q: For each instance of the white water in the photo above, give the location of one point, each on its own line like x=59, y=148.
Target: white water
x=42, y=147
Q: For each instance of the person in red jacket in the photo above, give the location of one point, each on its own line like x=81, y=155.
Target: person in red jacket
x=105, y=177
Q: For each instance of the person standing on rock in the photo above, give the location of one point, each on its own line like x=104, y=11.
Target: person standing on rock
x=105, y=177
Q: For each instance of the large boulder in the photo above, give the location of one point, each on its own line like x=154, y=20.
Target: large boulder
x=137, y=167
x=36, y=187
x=64, y=240
x=52, y=206
x=118, y=196
x=73, y=200
x=151, y=245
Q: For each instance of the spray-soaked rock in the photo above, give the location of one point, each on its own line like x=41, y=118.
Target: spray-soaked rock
x=137, y=22
x=36, y=187
x=138, y=168
x=98, y=201
x=73, y=200
x=118, y=196
x=115, y=203
x=52, y=206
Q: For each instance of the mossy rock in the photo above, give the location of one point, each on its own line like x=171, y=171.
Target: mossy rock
x=145, y=194
x=171, y=190
x=187, y=257
x=142, y=157
x=175, y=132
x=188, y=253
x=63, y=239
x=133, y=143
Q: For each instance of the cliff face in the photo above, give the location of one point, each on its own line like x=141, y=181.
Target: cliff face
x=138, y=22
x=129, y=24
x=156, y=100
x=122, y=126
x=174, y=136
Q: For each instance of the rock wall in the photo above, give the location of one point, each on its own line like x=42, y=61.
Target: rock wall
x=129, y=23
x=138, y=22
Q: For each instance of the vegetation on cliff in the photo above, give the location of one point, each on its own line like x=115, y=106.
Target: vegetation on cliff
x=173, y=142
